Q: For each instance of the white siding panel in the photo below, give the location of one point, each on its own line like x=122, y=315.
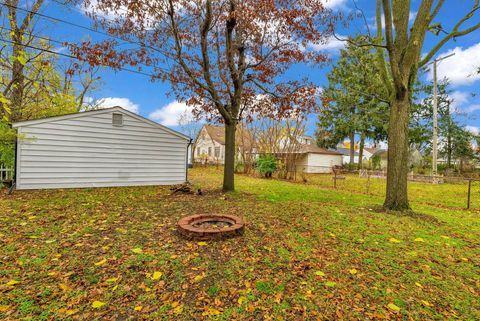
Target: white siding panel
x=89, y=151
x=322, y=163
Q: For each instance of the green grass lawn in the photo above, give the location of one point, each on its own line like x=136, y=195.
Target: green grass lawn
x=308, y=253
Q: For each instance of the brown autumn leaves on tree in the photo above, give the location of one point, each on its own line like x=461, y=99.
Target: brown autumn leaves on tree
x=216, y=55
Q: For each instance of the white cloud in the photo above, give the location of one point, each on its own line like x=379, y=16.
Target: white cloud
x=331, y=44
x=472, y=108
x=333, y=4
x=169, y=114
x=125, y=103
x=473, y=129
x=460, y=98
x=461, y=68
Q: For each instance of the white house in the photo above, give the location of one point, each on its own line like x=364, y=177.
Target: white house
x=210, y=143
x=106, y=147
x=314, y=159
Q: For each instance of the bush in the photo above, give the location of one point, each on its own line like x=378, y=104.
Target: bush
x=266, y=165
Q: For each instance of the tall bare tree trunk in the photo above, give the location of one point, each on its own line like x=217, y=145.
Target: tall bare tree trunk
x=352, y=148
x=229, y=167
x=397, y=167
x=360, y=150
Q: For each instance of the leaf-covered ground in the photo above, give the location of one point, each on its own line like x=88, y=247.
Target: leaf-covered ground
x=308, y=253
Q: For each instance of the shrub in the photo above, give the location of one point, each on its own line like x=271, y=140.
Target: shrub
x=266, y=165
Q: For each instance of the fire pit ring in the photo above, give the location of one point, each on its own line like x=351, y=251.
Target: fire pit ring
x=210, y=226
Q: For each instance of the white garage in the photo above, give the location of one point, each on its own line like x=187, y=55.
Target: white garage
x=314, y=159
x=101, y=148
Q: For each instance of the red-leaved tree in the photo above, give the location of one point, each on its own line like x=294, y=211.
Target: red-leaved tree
x=228, y=58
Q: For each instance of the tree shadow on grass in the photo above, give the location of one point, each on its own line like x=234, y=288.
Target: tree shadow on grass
x=409, y=213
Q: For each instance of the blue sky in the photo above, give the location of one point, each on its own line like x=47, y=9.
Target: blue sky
x=151, y=99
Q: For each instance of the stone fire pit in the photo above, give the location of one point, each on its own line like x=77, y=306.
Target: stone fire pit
x=210, y=226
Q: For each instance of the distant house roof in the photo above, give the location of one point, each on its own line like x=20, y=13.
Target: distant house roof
x=371, y=150
x=381, y=153
x=314, y=149
x=217, y=133
x=345, y=151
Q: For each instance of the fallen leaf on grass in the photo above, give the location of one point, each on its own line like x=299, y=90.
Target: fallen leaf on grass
x=241, y=300
x=419, y=239
x=12, y=282
x=64, y=287
x=419, y=285
x=393, y=307
x=137, y=250
x=156, y=275
x=394, y=240
x=5, y=308
x=111, y=280
x=71, y=311
x=97, y=304
x=353, y=271
x=319, y=273
x=330, y=284
x=198, y=278
x=210, y=312
x=138, y=308
x=178, y=309
x=101, y=262
x=426, y=303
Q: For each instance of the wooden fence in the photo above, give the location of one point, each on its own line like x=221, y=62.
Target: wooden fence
x=6, y=174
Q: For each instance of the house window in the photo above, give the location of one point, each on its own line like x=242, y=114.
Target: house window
x=117, y=119
x=209, y=151
x=217, y=152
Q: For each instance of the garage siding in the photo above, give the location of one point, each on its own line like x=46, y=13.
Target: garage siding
x=322, y=163
x=89, y=151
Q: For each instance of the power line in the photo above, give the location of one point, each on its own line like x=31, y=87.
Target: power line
x=70, y=56
x=78, y=26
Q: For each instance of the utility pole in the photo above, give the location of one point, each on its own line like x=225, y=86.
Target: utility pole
x=435, y=115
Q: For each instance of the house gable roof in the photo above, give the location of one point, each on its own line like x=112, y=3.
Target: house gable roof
x=314, y=149
x=217, y=134
x=95, y=112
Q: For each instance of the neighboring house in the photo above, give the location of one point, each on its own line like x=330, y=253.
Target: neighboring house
x=210, y=144
x=106, y=147
x=346, y=155
x=415, y=158
x=368, y=152
x=314, y=159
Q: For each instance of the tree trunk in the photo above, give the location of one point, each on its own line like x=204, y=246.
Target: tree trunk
x=229, y=168
x=397, y=167
x=360, y=150
x=352, y=148
x=18, y=80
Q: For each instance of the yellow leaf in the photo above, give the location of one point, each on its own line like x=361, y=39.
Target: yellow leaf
x=102, y=262
x=330, y=284
x=64, y=287
x=353, y=271
x=51, y=273
x=5, y=308
x=97, y=304
x=178, y=309
x=137, y=250
x=444, y=237
x=464, y=259
x=198, y=278
x=319, y=273
x=12, y=282
x=210, y=312
x=393, y=307
x=202, y=243
x=138, y=308
x=419, y=239
x=156, y=275
x=426, y=303
x=71, y=311
x=241, y=300
x=394, y=240
x=115, y=287
x=111, y=280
